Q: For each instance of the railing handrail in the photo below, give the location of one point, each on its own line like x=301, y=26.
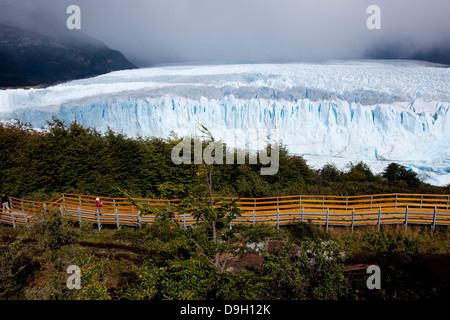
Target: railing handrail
x=335, y=209
x=326, y=200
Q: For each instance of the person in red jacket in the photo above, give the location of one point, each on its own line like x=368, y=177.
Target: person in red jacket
x=98, y=205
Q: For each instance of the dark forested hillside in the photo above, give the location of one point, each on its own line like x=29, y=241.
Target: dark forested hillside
x=31, y=59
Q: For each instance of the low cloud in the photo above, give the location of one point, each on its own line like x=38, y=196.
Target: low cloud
x=154, y=31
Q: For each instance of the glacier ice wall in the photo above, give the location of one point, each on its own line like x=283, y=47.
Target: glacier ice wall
x=335, y=112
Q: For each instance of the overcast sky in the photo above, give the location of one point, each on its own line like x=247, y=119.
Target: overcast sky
x=168, y=31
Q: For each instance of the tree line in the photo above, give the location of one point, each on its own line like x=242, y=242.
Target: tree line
x=37, y=164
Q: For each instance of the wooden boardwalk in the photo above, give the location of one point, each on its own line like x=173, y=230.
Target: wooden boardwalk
x=377, y=210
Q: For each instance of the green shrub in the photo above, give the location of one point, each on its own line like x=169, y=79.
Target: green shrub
x=133, y=235
x=307, y=270
x=178, y=280
x=241, y=286
x=93, y=277
x=54, y=231
x=257, y=232
x=306, y=231
x=17, y=268
x=86, y=226
x=388, y=245
x=395, y=173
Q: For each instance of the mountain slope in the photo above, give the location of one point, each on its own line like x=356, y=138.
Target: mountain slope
x=31, y=59
x=394, y=51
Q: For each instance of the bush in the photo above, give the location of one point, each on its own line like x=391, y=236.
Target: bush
x=17, y=268
x=93, y=278
x=330, y=173
x=387, y=246
x=241, y=286
x=257, y=232
x=306, y=231
x=398, y=174
x=307, y=270
x=179, y=280
x=360, y=172
x=133, y=235
x=54, y=231
x=401, y=277
x=192, y=279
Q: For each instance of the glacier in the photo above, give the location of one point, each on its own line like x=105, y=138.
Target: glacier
x=335, y=112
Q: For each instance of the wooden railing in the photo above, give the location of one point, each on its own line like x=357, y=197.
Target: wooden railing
x=380, y=209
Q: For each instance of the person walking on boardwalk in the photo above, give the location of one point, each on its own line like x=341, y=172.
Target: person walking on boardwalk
x=98, y=205
x=6, y=204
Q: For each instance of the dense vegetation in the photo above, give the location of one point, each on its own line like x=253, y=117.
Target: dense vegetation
x=73, y=159
x=164, y=261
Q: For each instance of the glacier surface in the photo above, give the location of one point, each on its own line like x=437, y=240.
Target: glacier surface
x=333, y=112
